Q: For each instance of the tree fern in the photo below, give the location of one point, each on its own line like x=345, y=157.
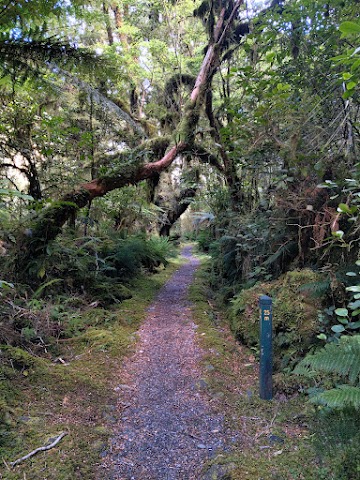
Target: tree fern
x=342, y=358
x=340, y=397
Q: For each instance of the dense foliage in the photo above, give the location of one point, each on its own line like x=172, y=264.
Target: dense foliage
x=118, y=119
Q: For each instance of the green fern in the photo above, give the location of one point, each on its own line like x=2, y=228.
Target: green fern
x=340, y=397
x=342, y=358
x=43, y=286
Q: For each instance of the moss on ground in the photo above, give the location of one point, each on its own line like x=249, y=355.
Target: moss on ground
x=40, y=398
x=274, y=441
x=295, y=319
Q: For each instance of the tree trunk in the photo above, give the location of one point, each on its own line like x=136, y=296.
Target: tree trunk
x=108, y=24
x=165, y=230
x=179, y=206
x=50, y=221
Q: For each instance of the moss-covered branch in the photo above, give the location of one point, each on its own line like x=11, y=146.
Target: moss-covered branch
x=179, y=205
x=133, y=167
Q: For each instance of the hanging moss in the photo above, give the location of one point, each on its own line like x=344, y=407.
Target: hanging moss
x=172, y=88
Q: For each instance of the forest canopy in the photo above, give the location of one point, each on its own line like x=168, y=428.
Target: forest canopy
x=125, y=117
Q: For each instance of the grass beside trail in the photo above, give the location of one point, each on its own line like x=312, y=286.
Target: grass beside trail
x=74, y=395
x=275, y=440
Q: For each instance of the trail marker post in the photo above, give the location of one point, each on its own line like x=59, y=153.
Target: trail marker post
x=266, y=366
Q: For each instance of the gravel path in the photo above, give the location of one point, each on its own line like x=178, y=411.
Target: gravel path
x=167, y=430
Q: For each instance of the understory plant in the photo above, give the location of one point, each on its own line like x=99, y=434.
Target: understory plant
x=77, y=277
x=341, y=363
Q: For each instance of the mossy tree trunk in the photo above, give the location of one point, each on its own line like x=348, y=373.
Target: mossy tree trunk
x=33, y=242
x=179, y=205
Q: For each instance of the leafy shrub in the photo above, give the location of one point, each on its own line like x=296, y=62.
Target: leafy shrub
x=225, y=267
x=252, y=247
x=75, y=275
x=125, y=257
x=109, y=293
x=204, y=239
x=91, y=264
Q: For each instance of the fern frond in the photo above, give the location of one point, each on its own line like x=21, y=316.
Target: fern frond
x=30, y=58
x=305, y=371
x=33, y=54
x=342, y=358
x=340, y=397
x=275, y=256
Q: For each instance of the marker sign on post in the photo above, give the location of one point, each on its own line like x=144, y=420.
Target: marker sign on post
x=266, y=366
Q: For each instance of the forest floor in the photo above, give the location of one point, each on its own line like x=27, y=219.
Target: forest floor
x=163, y=392
x=188, y=401
x=168, y=427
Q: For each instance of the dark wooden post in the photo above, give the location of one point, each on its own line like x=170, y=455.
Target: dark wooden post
x=266, y=366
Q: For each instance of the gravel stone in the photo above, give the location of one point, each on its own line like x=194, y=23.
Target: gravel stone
x=168, y=430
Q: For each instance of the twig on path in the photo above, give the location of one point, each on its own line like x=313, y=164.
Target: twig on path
x=39, y=449
x=192, y=436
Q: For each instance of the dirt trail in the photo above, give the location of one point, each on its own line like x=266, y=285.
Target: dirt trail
x=167, y=430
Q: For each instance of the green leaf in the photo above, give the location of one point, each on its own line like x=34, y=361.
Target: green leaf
x=5, y=285
x=327, y=184
x=354, y=305
x=338, y=234
x=342, y=312
x=349, y=28
x=42, y=287
x=353, y=288
x=41, y=272
x=350, y=85
x=338, y=328
x=355, y=65
x=339, y=58
x=339, y=397
x=347, y=94
x=353, y=325
x=15, y=193
x=321, y=336
x=343, y=208
x=346, y=75
x=283, y=87
x=351, y=274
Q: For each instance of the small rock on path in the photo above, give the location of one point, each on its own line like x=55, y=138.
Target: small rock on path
x=167, y=430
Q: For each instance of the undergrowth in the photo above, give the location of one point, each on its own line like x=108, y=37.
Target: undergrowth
x=282, y=439
x=295, y=319
x=70, y=389
x=76, y=276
